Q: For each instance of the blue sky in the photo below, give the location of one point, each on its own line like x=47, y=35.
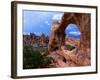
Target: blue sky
x=40, y=22
x=73, y=31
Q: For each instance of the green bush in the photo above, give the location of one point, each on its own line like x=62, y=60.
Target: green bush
x=34, y=59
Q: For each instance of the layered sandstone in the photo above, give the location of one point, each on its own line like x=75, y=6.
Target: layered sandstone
x=80, y=57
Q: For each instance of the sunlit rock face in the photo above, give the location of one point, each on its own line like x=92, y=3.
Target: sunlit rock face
x=53, y=40
x=57, y=36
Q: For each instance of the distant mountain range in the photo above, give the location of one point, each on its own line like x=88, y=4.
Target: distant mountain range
x=73, y=36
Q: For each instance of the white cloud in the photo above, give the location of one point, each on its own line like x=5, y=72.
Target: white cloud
x=57, y=17
x=75, y=33
x=26, y=33
x=46, y=22
x=38, y=33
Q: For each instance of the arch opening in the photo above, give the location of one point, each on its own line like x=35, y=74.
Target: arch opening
x=72, y=36
x=72, y=31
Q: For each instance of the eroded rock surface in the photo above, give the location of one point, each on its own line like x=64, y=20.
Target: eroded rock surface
x=58, y=30
x=63, y=58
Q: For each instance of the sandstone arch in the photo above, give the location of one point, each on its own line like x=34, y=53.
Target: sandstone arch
x=82, y=20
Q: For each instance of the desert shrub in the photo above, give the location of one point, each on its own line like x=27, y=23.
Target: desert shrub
x=34, y=59
x=69, y=47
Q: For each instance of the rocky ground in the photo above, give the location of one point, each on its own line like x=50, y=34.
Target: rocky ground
x=71, y=58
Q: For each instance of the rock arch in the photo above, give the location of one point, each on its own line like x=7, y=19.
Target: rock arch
x=82, y=20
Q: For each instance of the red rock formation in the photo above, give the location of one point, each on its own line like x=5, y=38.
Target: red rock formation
x=83, y=23
x=57, y=39
x=53, y=40
x=76, y=42
x=82, y=20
